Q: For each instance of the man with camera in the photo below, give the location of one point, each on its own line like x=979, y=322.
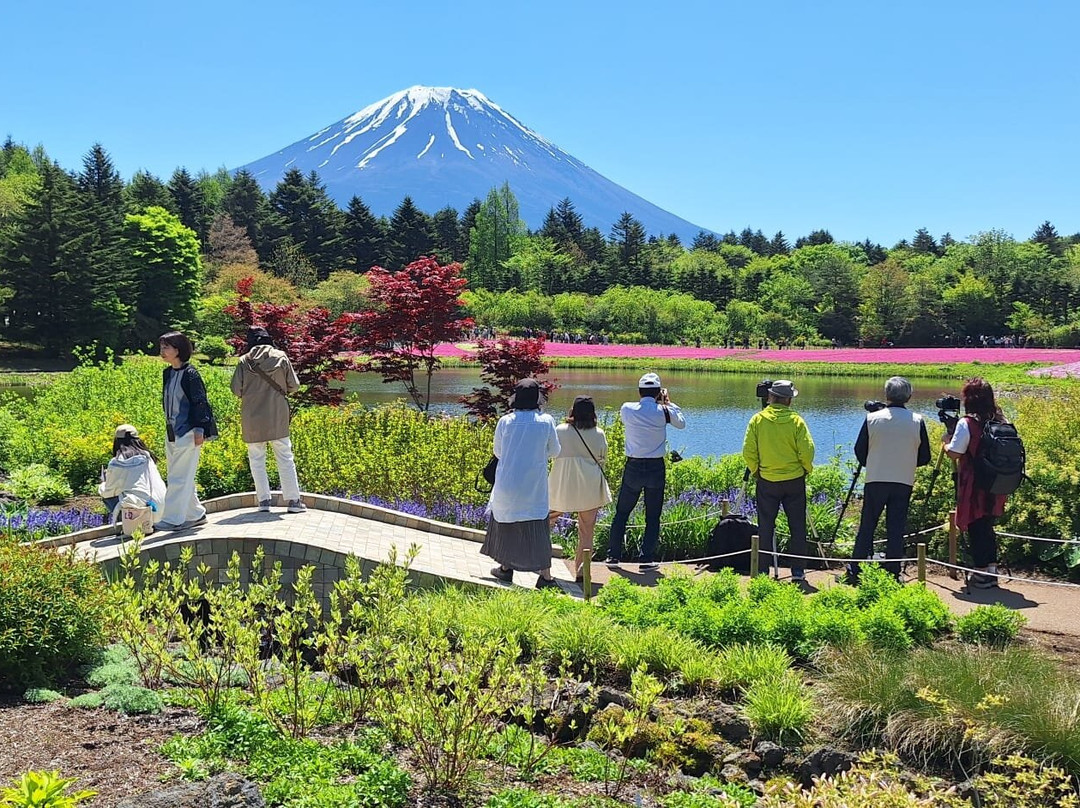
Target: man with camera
x=645, y=423
x=779, y=452
x=891, y=445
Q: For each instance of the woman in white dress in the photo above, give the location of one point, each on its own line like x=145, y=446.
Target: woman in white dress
x=577, y=483
x=518, y=535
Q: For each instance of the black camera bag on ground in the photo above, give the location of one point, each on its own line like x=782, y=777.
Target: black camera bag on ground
x=732, y=534
x=999, y=465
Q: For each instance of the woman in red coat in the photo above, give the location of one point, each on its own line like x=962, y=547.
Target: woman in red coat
x=976, y=509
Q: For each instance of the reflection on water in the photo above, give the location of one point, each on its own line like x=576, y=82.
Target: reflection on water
x=717, y=405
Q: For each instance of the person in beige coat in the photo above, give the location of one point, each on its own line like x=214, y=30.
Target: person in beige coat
x=263, y=378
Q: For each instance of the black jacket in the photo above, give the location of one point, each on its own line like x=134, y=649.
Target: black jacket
x=198, y=415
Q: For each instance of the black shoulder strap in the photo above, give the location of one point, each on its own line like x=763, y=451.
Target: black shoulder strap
x=667, y=414
x=587, y=449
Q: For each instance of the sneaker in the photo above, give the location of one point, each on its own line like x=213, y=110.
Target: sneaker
x=164, y=526
x=798, y=576
x=980, y=581
x=547, y=583
x=264, y=505
x=499, y=574
x=296, y=506
x=194, y=522
x=612, y=561
x=649, y=565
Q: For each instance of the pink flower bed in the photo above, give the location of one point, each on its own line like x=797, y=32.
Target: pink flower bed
x=899, y=356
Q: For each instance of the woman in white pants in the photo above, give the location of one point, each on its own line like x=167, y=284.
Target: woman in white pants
x=189, y=422
x=263, y=379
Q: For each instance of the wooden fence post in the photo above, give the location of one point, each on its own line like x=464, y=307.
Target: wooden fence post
x=755, y=544
x=953, y=535
x=922, y=562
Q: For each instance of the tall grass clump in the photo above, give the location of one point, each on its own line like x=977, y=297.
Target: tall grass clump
x=958, y=703
x=779, y=708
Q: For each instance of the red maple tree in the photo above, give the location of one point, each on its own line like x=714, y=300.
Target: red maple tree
x=314, y=342
x=503, y=364
x=413, y=311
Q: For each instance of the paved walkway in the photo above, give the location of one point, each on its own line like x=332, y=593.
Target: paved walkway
x=333, y=524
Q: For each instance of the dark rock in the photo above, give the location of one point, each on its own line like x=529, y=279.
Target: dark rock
x=771, y=755
x=745, y=760
x=228, y=790
x=728, y=722
x=733, y=774
x=609, y=695
x=824, y=762
x=681, y=782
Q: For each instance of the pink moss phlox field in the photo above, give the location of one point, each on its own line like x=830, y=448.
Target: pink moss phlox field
x=924, y=356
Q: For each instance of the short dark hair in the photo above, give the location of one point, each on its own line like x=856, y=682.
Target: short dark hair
x=648, y=392
x=177, y=340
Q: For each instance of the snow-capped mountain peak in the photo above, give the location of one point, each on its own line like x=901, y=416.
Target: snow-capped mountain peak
x=446, y=146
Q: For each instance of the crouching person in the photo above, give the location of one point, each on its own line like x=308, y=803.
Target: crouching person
x=131, y=485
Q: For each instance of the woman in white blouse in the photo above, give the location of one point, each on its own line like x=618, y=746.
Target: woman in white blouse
x=577, y=483
x=518, y=535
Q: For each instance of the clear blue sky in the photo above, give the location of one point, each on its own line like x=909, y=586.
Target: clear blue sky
x=869, y=119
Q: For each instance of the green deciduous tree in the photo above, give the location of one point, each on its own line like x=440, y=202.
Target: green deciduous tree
x=494, y=238
x=163, y=255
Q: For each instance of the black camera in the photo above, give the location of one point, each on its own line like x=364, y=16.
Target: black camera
x=948, y=412
x=948, y=404
x=874, y=406
x=762, y=391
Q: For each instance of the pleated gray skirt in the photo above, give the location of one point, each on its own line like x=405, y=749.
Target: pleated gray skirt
x=521, y=546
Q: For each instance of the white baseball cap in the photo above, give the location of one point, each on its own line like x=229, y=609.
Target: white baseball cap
x=649, y=380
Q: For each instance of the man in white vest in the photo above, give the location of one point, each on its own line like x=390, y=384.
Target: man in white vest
x=891, y=445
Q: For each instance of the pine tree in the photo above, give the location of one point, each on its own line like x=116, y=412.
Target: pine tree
x=628, y=241
x=705, y=241
x=364, y=237
x=946, y=241
x=44, y=266
x=99, y=201
x=815, y=239
x=552, y=228
x=1047, y=235
x=924, y=242
x=875, y=253
x=302, y=214
x=409, y=235
x=779, y=244
x=468, y=222
x=188, y=202
x=447, y=237
x=570, y=222
x=247, y=205
x=144, y=191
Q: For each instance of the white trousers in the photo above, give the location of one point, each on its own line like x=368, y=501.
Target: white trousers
x=286, y=466
x=181, y=502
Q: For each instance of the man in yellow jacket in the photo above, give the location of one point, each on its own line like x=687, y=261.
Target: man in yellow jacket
x=779, y=452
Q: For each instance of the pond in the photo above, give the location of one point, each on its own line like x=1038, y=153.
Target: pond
x=717, y=405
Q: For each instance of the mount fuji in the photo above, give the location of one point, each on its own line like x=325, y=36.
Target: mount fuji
x=443, y=146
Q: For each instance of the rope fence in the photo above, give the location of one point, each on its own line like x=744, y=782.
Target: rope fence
x=954, y=569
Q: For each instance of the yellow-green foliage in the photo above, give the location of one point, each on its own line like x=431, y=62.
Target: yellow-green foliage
x=69, y=425
x=43, y=790
x=390, y=452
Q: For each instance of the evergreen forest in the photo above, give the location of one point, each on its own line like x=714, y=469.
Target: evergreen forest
x=89, y=258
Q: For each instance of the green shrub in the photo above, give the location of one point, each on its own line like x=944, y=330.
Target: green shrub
x=884, y=629
x=875, y=583
x=779, y=708
x=994, y=625
x=923, y=613
x=660, y=650
x=627, y=603
x=51, y=611
x=729, y=796
x=41, y=695
x=133, y=700
x=215, y=349
x=38, y=485
x=524, y=798
x=88, y=701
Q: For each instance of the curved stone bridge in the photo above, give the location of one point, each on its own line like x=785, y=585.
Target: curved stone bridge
x=323, y=537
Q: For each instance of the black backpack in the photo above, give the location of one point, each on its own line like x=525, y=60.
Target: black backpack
x=999, y=464
x=732, y=535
